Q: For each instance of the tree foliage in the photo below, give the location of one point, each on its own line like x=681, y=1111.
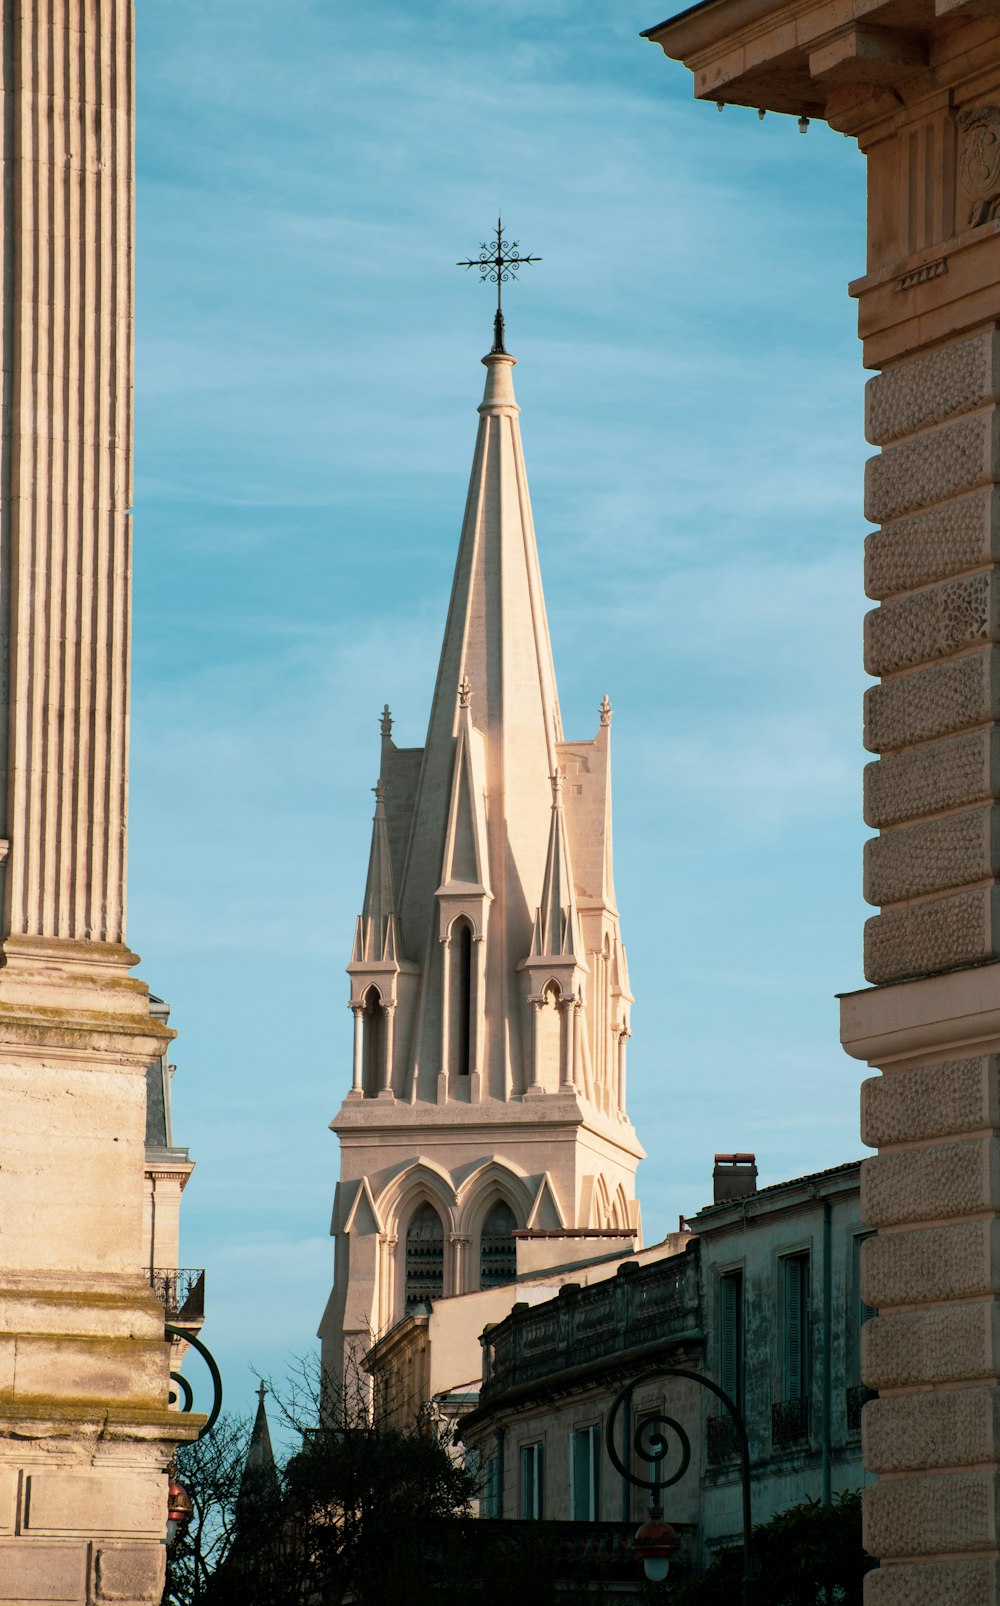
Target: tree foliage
x=809, y=1555
x=358, y=1512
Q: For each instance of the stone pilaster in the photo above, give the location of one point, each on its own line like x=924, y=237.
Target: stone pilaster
x=919, y=87
x=85, y=1430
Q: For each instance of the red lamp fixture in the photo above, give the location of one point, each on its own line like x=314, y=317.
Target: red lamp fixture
x=653, y=1545
x=180, y=1510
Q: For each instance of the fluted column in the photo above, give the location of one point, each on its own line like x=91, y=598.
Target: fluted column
x=67, y=431
x=85, y=1429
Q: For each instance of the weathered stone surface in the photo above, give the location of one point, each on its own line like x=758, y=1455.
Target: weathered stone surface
x=925, y=938
x=907, y=1348
x=930, y=546
x=915, y=859
x=929, y=1265
x=930, y=1183
x=954, y=1427
x=929, y=1101
x=944, y=463
x=932, y=624
x=936, y=1583
x=926, y=703
x=932, y=778
x=130, y=1572
x=931, y=389
x=37, y=1572
x=931, y=1515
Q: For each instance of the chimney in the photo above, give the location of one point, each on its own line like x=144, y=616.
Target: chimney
x=735, y=1176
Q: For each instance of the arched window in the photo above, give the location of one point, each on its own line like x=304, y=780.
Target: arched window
x=424, y=1257
x=497, y=1252
x=463, y=1039
x=373, y=1027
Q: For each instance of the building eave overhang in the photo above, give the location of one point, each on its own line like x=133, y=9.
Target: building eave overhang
x=805, y=57
x=783, y=1196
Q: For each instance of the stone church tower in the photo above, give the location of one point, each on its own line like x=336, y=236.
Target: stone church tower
x=489, y=985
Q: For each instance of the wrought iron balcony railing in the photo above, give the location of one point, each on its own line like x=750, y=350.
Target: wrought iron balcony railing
x=181, y=1292
x=855, y=1398
x=723, y=1440
x=789, y=1423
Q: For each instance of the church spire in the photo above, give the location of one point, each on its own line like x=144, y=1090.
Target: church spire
x=489, y=1048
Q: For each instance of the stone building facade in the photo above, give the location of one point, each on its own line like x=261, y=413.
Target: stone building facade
x=919, y=87
x=489, y=983
x=763, y=1296
x=86, y=1431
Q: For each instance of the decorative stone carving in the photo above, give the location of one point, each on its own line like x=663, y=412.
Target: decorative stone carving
x=931, y=389
x=932, y=624
x=937, y=1182
x=934, y=467
x=928, y=1101
x=938, y=701
x=916, y=859
x=929, y=546
x=932, y=778
x=927, y=937
x=979, y=161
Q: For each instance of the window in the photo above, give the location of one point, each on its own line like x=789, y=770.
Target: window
x=372, y=1043
x=857, y=1395
x=585, y=1473
x=463, y=1043
x=790, y=1411
x=497, y=1253
x=731, y=1335
x=424, y=1257
x=794, y=1327
x=532, y=1481
x=489, y=1488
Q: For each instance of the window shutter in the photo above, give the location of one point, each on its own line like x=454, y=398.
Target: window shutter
x=731, y=1314
x=794, y=1322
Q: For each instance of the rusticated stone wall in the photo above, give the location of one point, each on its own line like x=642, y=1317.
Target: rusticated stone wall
x=932, y=871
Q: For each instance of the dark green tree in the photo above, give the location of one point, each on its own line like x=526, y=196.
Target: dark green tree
x=809, y=1555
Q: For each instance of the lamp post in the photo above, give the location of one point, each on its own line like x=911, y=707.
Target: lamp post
x=656, y=1541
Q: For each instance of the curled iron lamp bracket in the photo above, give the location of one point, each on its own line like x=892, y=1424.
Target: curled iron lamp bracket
x=651, y=1443
x=185, y=1387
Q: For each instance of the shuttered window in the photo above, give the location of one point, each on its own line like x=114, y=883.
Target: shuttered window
x=584, y=1473
x=731, y=1335
x=532, y=1481
x=794, y=1327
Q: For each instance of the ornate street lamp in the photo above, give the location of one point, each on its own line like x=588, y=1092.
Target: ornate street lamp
x=655, y=1542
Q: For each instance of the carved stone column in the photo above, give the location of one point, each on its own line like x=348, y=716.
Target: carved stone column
x=85, y=1431
x=919, y=86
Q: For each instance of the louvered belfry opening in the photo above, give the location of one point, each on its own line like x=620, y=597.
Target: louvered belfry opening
x=424, y=1257
x=497, y=1251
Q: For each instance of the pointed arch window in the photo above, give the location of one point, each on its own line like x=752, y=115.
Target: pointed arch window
x=424, y=1257
x=463, y=1038
x=497, y=1251
x=374, y=1034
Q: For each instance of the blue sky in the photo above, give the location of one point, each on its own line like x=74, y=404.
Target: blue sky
x=307, y=373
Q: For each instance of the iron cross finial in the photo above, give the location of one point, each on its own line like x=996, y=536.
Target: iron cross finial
x=498, y=262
